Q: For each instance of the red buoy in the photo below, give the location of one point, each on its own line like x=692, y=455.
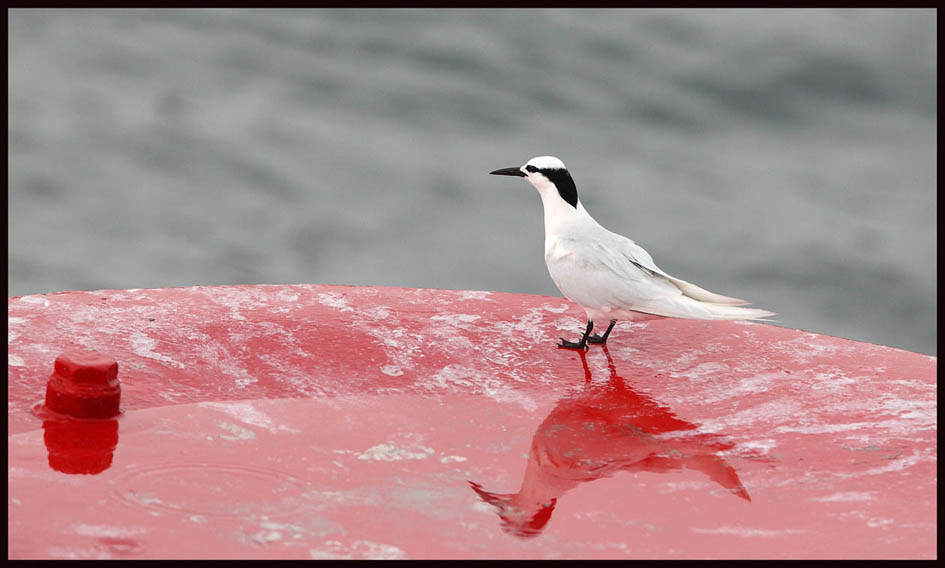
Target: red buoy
x=84, y=385
x=318, y=421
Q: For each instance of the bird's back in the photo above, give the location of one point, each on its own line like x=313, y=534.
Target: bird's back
x=608, y=273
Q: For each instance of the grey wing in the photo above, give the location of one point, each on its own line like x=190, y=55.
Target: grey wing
x=638, y=257
x=628, y=281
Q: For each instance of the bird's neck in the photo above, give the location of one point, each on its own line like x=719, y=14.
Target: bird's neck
x=543, y=482
x=559, y=214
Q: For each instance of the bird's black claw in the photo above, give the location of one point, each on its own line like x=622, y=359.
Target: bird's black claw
x=596, y=339
x=571, y=344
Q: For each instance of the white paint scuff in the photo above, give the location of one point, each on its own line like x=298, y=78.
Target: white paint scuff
x=106, y=531
x=391, y=452
x=143, y=346
x=747, y=532
x=392, y=370
x=475, y=295
x=333, y=300
x=359, y=549
x=454, y=375
x=236, y=432
x=275, y=532
x=451, y=459
x=37, y=300
x=847, y=496
x=247, y=413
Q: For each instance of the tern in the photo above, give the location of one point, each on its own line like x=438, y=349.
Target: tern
x=607, y=274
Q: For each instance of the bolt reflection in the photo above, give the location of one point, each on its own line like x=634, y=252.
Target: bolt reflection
x=605, y=428
x=80, y=446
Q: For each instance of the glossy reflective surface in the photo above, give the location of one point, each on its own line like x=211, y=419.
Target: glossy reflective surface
x=80, y=446
x=343, y=422
x=605, y=428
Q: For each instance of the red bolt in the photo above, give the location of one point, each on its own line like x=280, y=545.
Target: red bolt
x=84, y=385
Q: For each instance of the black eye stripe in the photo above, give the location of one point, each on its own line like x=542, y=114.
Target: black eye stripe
x=562, y=180
x=564, y=183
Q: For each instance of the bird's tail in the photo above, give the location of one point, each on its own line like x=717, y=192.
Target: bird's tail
x=703, y=295
x=686, y=307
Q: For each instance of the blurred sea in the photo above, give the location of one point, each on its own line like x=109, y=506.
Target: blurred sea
x=785, y=157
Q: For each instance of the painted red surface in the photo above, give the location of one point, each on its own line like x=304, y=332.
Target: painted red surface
x=346, y=422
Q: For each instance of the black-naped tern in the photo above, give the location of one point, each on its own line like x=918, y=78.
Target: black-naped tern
x=609, y=275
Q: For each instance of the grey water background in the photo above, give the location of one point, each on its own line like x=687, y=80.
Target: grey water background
x=785, y=157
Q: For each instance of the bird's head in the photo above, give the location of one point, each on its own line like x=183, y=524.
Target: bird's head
x=522, y=519
x=547, y=174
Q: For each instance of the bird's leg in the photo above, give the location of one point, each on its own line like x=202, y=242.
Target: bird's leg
x=597, y=338
x=582, y=344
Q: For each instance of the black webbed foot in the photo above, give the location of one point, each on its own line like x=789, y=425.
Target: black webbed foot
x=601, y=340
x=582, y=344
x=572, y=344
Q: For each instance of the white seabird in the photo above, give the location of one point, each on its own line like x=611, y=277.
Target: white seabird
x=609, y=275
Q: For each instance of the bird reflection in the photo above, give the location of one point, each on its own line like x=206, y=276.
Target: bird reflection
x=605, y=428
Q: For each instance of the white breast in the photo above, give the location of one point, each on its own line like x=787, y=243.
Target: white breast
x=577, y=279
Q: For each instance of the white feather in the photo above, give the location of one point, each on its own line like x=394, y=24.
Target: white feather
x=546, y=163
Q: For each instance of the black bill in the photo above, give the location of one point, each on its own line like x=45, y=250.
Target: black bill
x=508, y=172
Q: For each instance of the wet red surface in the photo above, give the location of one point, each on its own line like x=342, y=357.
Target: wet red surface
x=343, y=422
x=605, y=428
